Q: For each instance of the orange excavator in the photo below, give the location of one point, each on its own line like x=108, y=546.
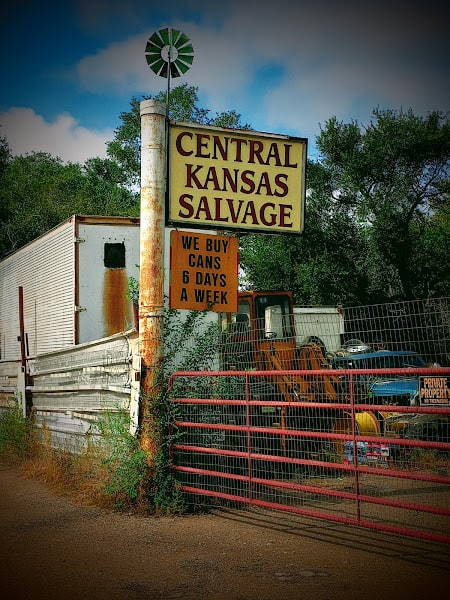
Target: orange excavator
x=261, y=336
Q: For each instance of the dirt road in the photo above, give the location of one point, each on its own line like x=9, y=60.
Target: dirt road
x=53, y=549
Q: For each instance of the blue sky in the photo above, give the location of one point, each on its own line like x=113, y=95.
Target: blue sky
x=68, y=69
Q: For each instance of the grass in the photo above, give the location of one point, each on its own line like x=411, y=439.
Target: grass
x=111, y=472
x=15, y=433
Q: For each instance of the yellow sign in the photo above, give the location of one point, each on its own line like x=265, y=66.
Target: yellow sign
x=203, y=272
x=233, y=179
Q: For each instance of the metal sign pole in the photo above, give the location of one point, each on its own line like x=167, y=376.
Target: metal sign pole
x=151, y=280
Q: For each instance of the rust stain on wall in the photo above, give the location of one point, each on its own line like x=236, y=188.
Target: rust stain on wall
x=116, y=306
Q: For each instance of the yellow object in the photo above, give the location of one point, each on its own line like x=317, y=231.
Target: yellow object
x=367, y=424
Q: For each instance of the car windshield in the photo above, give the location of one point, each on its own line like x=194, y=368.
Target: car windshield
x=394, y=361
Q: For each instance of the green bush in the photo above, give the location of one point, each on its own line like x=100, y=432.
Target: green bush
x=14, y=433
x=127, y=481
x=190, y=344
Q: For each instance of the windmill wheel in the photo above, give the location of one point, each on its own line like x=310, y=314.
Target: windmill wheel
x=169, y=49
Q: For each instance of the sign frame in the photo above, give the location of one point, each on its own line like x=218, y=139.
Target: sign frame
x=237, y=180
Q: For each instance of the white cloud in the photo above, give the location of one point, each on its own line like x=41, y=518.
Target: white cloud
x=332, y=59
x=121, y=66
x=28, y=132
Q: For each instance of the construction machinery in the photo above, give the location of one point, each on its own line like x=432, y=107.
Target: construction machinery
x=261, y=336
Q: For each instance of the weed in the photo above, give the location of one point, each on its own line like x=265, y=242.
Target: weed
x=428, y=460
x=127, y=480
x=15, y=433
x=190, y=344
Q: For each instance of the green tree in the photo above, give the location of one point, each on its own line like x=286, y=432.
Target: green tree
x=5, y=158
x=393, y=176
x=431, y=243
x=5, y=154
x=323, y=265
x=38, y=192
x=125, y=149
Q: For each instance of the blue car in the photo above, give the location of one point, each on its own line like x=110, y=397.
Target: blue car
x=382, y=389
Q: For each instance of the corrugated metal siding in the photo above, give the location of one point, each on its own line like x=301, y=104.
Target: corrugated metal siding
x=73, y=387
x=62, y=268
x=45, y=271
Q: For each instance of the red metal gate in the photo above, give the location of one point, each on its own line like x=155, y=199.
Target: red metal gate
x=236, y=439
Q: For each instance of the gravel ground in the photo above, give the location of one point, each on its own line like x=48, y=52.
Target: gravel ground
x=54, y=549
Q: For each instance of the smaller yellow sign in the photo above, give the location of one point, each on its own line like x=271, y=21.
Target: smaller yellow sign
x=203, y=272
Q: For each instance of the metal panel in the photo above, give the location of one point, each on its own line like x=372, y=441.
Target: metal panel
x=72, y=387
x=103, y=308
x=44, y=269
x=60, y=269
x=324, y=322
x=12, y=383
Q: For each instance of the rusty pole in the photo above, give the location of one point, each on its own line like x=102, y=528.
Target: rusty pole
x=151, y=279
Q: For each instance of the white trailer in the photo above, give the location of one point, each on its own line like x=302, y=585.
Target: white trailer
x=72, y=305
x=324, y=322
x=74, y=280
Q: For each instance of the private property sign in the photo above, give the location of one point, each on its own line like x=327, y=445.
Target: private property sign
x=203, y=272
x=434, y=390
x=236, y=180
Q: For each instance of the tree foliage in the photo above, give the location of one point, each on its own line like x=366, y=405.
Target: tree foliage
x=38, y=192
x=377, y=216
x=377, y=221
x=393, y=175
x=317, y=265
x=125, y=149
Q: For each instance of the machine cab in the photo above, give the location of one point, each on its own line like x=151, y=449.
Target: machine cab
x=267, y=315
x=261, y=334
